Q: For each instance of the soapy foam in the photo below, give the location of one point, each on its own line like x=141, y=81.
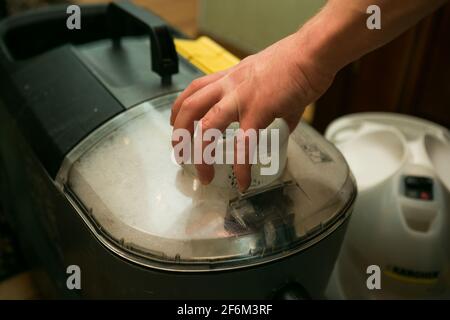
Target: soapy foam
x=133, y=174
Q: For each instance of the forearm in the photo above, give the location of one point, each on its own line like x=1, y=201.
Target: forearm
x=280, y=81
x=338, y=34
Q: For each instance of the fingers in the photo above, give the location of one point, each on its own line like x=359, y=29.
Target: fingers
x=245, y=147
x=194, y=87
x=292, y=121
x=196, y=106
x=222, y=114
x=218, y=117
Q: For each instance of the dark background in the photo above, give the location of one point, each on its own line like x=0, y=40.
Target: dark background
x=410, y=75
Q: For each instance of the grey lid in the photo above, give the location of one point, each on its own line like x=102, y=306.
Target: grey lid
x=147, y=209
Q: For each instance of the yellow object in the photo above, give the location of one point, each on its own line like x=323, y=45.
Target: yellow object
x=206, y=54
x=409, y=279
x=210, y=57
x=308, y=115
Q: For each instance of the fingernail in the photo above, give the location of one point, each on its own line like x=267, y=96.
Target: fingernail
x=241, y=188
x=203, y=180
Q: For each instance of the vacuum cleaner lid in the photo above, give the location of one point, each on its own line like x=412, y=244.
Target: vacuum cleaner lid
x=148, y=209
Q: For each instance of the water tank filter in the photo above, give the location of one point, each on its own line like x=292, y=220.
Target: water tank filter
x=270, y=156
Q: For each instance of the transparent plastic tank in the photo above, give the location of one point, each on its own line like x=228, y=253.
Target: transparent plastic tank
x=148, y=209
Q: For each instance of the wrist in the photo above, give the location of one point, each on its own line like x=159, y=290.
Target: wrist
x=325, y=39
x=311, y=59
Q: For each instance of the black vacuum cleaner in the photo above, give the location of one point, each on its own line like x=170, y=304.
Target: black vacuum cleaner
x=85, y=152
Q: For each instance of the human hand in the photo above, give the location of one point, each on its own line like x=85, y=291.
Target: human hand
x=278, y=82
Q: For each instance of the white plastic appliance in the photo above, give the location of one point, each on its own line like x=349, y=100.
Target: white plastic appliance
x=401, y=218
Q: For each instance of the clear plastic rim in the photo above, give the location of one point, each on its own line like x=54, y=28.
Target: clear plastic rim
x=134, y=255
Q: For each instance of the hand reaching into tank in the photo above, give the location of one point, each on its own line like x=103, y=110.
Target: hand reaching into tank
x=278, y=82
x=282, y=80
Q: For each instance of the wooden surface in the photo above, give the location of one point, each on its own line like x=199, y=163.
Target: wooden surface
x=19, y=287
x=180, y=13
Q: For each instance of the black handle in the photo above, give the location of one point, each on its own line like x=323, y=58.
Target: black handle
x=164, y=57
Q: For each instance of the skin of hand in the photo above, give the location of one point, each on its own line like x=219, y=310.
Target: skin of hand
x=275, y=83
x=280, y=81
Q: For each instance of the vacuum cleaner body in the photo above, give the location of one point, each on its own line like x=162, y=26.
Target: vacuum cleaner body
x=73, y=93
